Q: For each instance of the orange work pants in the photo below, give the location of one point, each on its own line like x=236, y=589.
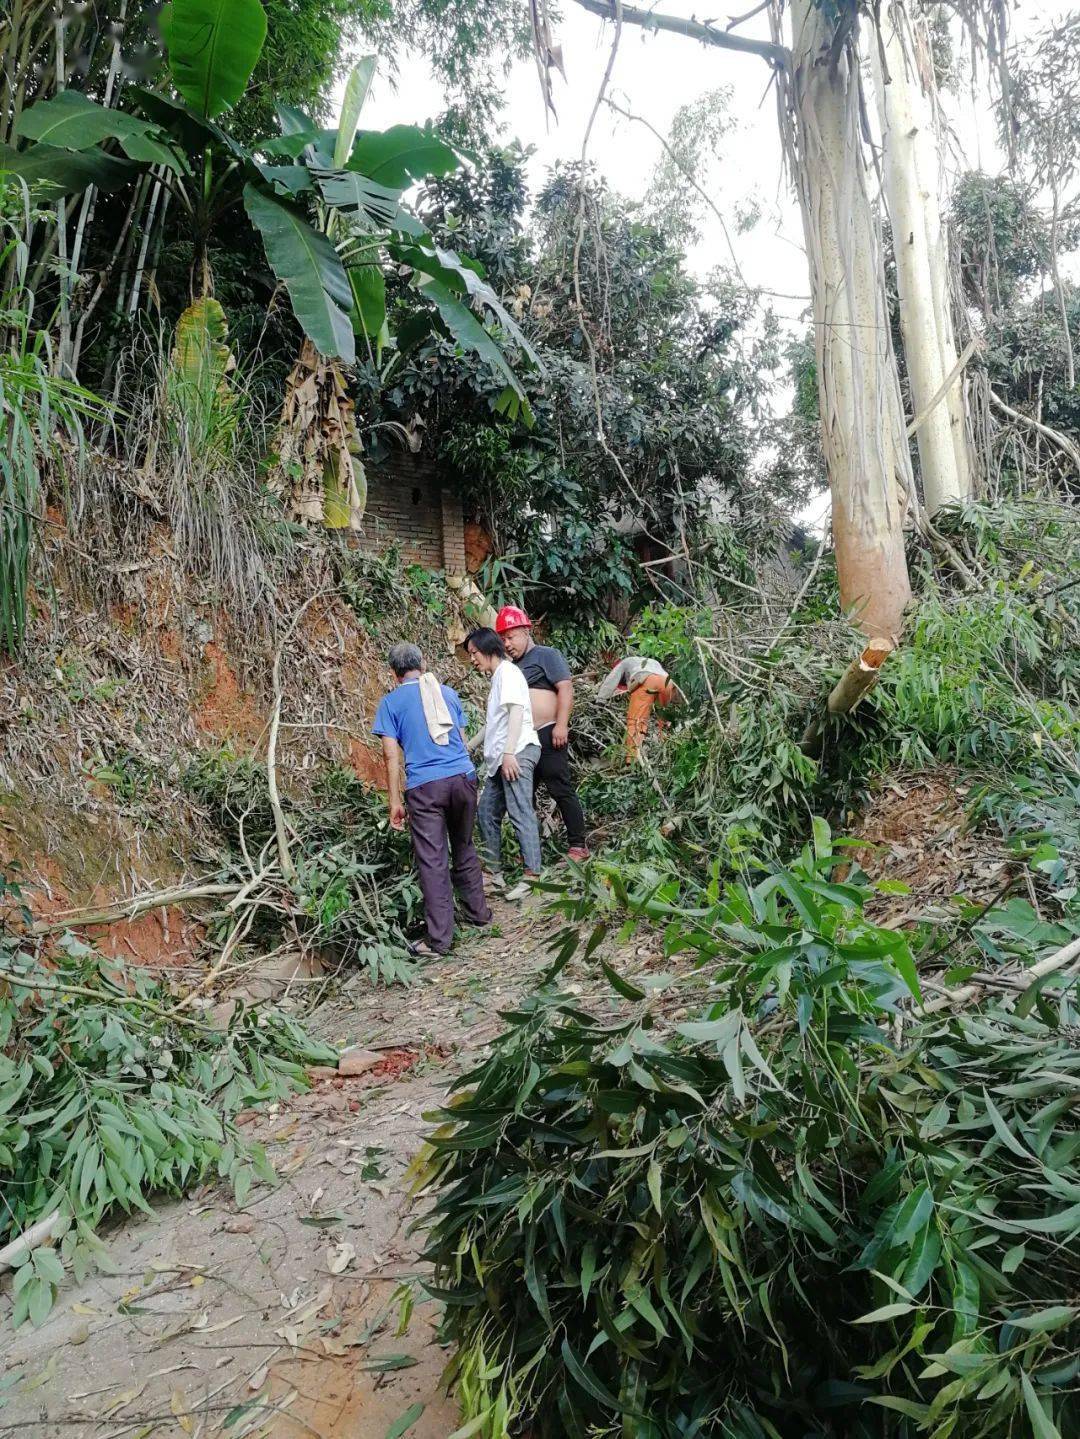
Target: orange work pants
x=656, y=689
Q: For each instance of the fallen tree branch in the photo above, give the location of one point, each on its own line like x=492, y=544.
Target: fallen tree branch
x=1057, y=438
x=804, y=587
x=131, y=908
x=976, y=987
x=32, y=1238
x=238, y=933
x=103, y=996
x=943, y=389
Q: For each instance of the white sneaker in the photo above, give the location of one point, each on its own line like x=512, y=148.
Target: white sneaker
x=519, y=891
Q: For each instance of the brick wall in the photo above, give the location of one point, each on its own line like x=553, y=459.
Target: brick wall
x=408, y=504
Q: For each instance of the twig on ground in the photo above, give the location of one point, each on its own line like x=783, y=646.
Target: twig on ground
x=102, y=996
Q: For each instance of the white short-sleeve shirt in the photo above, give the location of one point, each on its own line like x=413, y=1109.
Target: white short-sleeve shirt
x=508, y=687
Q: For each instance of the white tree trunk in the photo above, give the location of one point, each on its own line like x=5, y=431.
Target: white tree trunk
x=862, y=419
x=904, y=82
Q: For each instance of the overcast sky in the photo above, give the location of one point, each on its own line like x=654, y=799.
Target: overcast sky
x=654, y=75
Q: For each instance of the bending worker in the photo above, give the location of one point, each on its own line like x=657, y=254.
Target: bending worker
x=551, y=690
x=647, y=684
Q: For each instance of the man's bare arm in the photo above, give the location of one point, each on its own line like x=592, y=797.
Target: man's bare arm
x=394, y=757
x=564, y=704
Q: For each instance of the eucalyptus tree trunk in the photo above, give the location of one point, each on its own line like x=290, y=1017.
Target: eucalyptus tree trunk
x=904, y=82
x=862, y=418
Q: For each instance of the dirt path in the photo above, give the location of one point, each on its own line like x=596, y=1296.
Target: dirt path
x=227, y=1322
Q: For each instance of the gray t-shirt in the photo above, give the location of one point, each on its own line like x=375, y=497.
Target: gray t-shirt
x=543, y=668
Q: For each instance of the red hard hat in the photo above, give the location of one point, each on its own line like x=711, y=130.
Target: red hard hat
x=511, y=618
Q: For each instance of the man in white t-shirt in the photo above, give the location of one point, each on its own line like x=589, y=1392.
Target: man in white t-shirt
x=511, y=752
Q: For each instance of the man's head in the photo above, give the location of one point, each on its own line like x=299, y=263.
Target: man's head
x=514, y=627
x=485, y=649
x=518, y=641
x=404, y=659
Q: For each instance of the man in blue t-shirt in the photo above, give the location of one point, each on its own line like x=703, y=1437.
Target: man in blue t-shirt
x=421, y=723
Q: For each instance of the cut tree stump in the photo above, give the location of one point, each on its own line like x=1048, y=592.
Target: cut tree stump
x=857, y=680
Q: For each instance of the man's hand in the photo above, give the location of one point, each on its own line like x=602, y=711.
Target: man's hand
x=560, y=735
x=397, y=816
x=510, y=768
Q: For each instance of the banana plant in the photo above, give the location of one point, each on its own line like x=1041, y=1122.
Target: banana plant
x=328, y=205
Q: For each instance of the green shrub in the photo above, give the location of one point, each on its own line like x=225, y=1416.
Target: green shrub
x=987, y=680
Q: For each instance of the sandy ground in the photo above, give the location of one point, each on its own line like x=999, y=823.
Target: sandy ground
x=290, y=1318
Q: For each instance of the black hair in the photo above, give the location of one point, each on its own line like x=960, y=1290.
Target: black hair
x=486, y=641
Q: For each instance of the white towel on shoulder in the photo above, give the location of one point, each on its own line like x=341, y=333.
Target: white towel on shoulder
x=438, y=717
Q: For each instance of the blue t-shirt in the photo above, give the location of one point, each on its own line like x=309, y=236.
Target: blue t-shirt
x=401, y=716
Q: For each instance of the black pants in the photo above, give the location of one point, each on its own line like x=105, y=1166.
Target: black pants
x=553, y=772
x=441, y=817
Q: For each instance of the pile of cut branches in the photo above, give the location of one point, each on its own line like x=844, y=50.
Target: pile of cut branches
x=352, y=893
x=822, y=1207
x=110, y=1092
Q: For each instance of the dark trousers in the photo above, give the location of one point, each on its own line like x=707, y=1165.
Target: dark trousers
x=441, y=817
x=553, y=772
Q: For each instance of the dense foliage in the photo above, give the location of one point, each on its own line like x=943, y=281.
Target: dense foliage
x=356, y=890
x=986, y=679
x=772, y=1196
x=680, y=382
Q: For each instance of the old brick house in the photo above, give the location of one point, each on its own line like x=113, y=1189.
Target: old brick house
x=410, y=505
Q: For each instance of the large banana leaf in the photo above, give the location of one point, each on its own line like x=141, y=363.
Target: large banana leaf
x=349, y=190
x=369, y=301
x=308, y=266
x=287, y=179
x=467, y=330
x=71, y=121
x=299, y=134
x=194, y=133
x=65, y=170
x=152, y=151
x=213, y=46
x=461, y=276
x=356, y=92
x=401, y=154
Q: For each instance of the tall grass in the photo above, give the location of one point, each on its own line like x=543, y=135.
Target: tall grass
x=190, y=434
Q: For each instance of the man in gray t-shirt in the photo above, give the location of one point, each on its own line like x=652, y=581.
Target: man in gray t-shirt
x=551, y=691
